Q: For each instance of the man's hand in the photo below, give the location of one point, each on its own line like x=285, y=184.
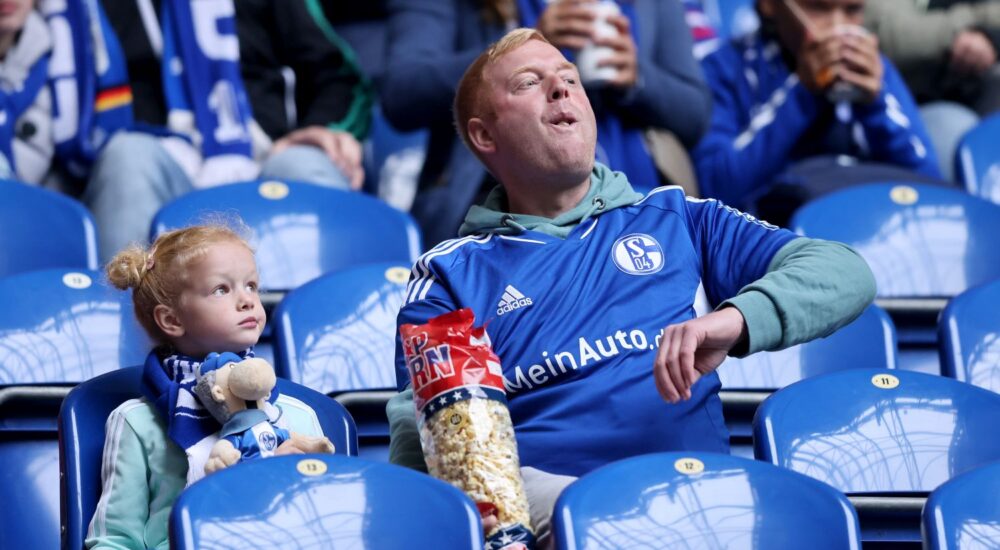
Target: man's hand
x=624, y=59
x=972, y=53
x=861, y=64
x=695, y=348
x=341, y=147
x=567, y=23
x=818, y=60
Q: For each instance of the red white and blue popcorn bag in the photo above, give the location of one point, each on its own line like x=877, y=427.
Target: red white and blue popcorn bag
x=465, y=427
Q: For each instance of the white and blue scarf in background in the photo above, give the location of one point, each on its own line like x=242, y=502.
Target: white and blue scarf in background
x=169, y=386
x=91, y=95
x=621, y=147
x=25, y=73
x=206, y=100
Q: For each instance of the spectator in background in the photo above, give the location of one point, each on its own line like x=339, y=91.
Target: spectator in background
x=27, y=148
x=51, y=125
x=810, y=85
x=946, y=51
x=431, y=42
x=195, y=126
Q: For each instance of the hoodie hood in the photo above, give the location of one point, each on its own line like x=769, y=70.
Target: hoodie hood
x=608, y=190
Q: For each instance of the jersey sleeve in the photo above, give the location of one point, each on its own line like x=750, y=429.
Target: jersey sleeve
x=427, y=296
x=735, y=248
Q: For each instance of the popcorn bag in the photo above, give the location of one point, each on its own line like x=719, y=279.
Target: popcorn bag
x=465, y=427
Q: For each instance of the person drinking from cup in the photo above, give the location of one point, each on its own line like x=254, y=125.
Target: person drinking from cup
x=806, y=105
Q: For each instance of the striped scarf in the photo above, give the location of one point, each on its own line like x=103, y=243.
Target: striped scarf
x=206, y=100
x=91, y=95
x=169, y=386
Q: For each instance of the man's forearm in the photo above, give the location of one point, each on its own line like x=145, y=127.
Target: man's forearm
x=811, y=288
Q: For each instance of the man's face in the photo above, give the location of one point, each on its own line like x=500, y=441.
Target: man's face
x=823, y=17
x=542, y=122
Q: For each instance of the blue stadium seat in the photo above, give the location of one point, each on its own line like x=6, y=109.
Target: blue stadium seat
x=41, y=229
x=964, y=513
x=323, y=501
x=970, y=337
x=336, y=334
x=57, y=327
x=81, y=439
x=29, y=467
x=886, y=437
x=925, y=244
x=732, y=18
x=920, y=241
x=301, y=230
x=701, y=500
x=977, y=161
x=65, y=326
x=868, y=342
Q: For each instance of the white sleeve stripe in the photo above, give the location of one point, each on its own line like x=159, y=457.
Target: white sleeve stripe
x=112, y=440
x=421, y=271
x=419, y=287
x=766, y=115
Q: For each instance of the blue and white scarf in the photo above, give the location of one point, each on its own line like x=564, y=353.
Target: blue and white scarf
x=206, y=100
x=618, y=146
x=169, y=386
x=27, y=80
x=91, y=95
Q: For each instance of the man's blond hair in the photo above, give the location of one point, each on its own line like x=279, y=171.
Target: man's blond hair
x=470, y=99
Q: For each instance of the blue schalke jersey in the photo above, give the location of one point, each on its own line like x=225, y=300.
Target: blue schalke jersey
x=576, y=322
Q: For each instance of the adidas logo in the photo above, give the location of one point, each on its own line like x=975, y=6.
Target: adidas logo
x=512, y=299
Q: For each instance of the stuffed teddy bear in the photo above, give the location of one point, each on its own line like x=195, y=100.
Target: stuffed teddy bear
x=236, y=391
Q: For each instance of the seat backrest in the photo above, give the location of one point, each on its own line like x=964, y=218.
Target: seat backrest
x=877, y=431
x=337, y=332
x=969, y=331
x=323, y=501
x=29, y=469
x=867, y=342
x=701, y=500
x=964, y=513
x=62, y=325
x=81, y=439
x=301, y=230
x=41, y=229
x=920, y=240
x=977, y=161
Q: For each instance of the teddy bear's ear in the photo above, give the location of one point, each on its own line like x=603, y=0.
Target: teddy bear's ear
x=218, y=394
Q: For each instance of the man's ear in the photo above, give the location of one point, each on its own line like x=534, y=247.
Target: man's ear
x=168, y=321
x=480, y=136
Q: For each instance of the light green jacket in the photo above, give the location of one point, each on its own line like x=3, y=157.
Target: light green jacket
x=143, y=472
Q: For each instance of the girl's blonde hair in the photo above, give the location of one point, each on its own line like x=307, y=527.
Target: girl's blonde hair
x=158, y=274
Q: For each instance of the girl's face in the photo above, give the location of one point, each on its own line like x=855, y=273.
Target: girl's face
x=219, y=309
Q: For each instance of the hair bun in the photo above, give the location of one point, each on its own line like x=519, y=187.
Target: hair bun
x=127, y=268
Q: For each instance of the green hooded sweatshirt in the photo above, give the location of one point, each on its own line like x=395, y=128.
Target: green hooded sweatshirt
x=812, y=288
